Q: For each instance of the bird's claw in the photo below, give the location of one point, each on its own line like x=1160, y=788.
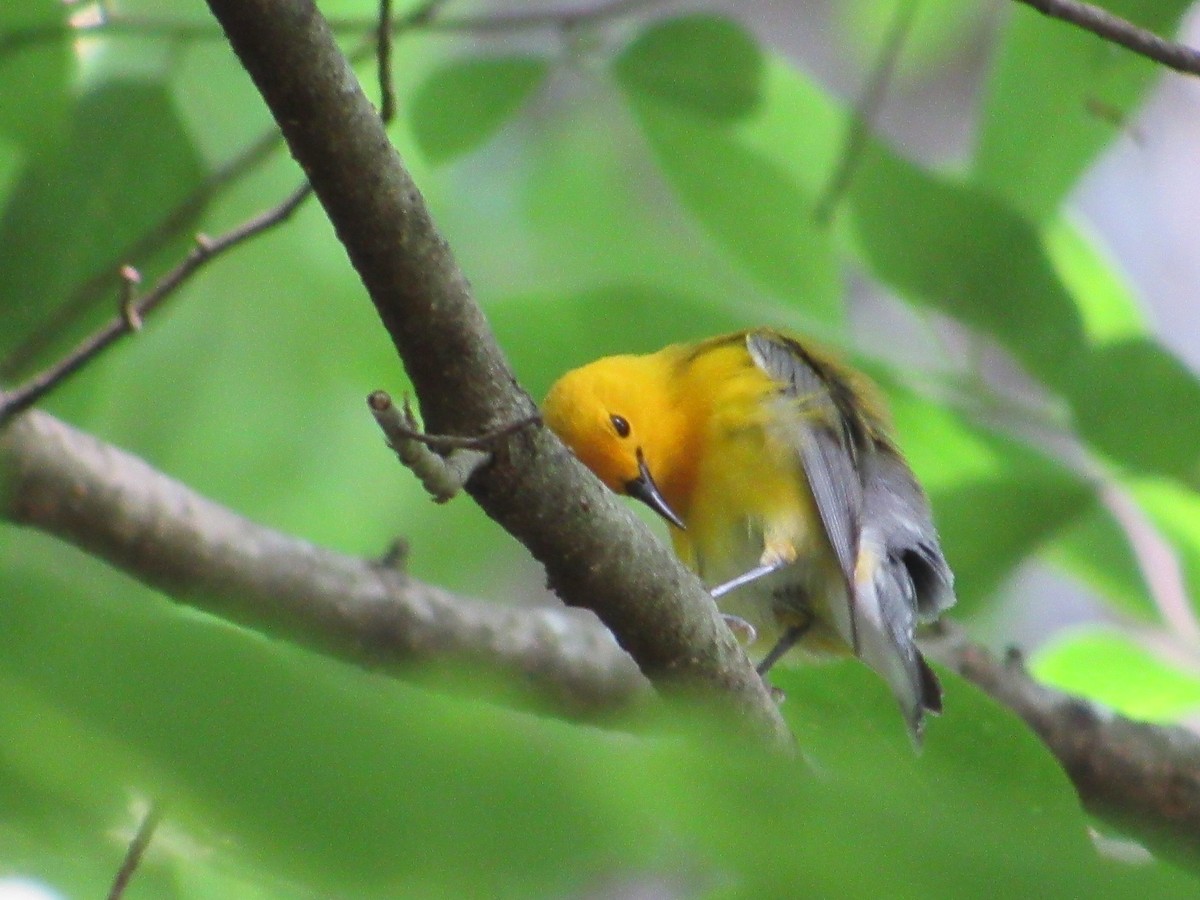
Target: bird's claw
x=745, y=633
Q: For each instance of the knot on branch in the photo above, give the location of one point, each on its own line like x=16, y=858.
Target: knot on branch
x=444, y=463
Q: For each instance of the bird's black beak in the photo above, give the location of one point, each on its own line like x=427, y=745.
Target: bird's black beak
x=643, y=488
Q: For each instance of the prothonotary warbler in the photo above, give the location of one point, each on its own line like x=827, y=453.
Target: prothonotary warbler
x=774, y=467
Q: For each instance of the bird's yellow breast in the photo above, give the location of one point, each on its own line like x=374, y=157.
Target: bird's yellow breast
x=740, y=488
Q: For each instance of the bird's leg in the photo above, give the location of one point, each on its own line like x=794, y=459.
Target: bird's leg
x=790, y=637
x=778, y=552
x=776, y=556
x=765, y=568
x=771, y=563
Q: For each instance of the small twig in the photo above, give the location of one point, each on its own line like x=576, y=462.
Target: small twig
x=866, y=111
x=170, y=226
x=386, y=28
x=387, y=93
x=206, y=249
x=422, y=18
x=395, y=557
x=1104, y=24
x=395, y=423
x=135, y=852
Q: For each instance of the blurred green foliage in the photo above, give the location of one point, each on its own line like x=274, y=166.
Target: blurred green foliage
x=631, y=185
x=466, y=101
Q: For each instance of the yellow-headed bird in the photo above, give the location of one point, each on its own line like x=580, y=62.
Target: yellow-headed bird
x=773, y=465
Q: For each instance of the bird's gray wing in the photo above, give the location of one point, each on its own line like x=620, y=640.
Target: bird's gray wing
x=809, y=420
x=899, y=513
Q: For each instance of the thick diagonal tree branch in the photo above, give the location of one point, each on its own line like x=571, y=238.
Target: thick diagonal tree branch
x=596, y=553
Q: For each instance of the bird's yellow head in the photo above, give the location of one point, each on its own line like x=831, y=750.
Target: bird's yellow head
x=608, y=413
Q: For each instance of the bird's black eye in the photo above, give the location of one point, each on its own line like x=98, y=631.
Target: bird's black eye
x=621, y=425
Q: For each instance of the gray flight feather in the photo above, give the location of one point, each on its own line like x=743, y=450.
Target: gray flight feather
x=869, y=502
x=827, y=454
x=897, y=506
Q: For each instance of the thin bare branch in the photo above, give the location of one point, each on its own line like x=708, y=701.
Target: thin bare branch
x=1120, y=31
x=421, y=19
x=387, y=92
x=867, y=111
x=396, y=423
x=131, y=314
x=135, y=852
x=443, y=463
x=169, y=228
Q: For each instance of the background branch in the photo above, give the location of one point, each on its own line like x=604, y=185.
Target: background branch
x=596, y=553
x=133, y=309
x=1144, y=778
x=173, y=224
x=112, y=504
x=422, y=18
x=1104, y=24
x=865, y=112
x=134, y=852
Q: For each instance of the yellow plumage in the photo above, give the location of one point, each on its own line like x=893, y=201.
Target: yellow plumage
x=774, y=467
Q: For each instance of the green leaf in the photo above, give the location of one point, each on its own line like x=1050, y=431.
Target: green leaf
x=463, y=104
x=991, y=527
x=956, y=249
x=750, y=208
x=38, y=73
x=311, y=775
x=592, y=198
x=797, y=126
x=707, y=65
x=977, y=757
x=1111, y=668
x=1137, y=403
x=589, y=225
x=1109, y=309
x=973, y=258
x=1058, y=86
x=78, y=212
